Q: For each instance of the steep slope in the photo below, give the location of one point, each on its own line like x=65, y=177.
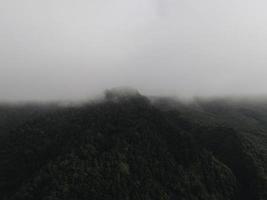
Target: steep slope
x=123, y=149
x=235, y=132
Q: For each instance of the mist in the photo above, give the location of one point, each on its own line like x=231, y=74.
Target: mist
x=71, y=50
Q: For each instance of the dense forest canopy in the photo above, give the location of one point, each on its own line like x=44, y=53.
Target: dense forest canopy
x=133, y=147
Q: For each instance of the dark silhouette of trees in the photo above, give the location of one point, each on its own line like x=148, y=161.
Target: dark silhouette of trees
x=128, y=148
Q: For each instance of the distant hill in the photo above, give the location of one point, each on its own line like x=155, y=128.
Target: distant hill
x=129, y=147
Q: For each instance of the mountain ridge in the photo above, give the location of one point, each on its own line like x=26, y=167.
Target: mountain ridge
x=130, y=148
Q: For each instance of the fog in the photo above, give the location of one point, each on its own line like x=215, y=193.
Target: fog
x=71, y=50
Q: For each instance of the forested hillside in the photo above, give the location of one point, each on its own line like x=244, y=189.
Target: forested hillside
x=13, y=115
x=132, y=147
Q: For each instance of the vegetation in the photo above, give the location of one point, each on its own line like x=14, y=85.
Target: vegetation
x=130, y=147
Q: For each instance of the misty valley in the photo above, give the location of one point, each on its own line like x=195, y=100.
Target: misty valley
x=127, y=146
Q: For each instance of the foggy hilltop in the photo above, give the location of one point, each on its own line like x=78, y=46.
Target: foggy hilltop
x=195, y=127
x=129, y=146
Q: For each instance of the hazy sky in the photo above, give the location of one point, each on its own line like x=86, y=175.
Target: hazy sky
x=71, y=49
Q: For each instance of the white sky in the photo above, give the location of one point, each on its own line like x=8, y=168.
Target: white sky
x=72, y=49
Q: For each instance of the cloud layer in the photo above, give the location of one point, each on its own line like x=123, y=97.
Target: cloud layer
x=63, y=49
